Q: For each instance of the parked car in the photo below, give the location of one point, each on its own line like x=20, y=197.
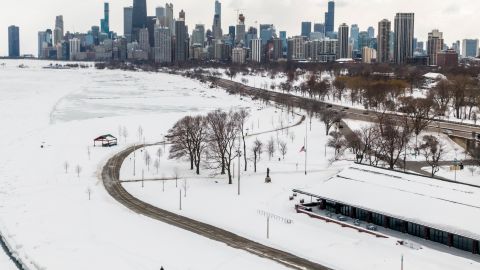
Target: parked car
x=342, y=218
x=448, y=132
x=357, y=222
x=371, y=227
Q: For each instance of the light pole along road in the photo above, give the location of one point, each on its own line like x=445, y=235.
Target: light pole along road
x=110, y=177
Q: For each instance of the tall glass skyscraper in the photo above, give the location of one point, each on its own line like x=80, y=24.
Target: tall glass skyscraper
x=404, y=29
x=139, y=17
x=306, y=29
x=13, y=41
x=330, y=18
x=105, y=22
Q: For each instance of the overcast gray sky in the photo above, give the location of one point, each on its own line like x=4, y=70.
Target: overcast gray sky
x=458, y=19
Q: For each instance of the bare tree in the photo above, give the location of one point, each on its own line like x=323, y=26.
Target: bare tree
x=257, y=152
x=140, y=133
x=180, y=138
x=283, y=148
x=394, y=138
x=198, y=136
x=292, y=136
x=159, y=153
x=66, y=165
x=337, y=141
x=223, y=131
x=243, y=114
x=147, y=158
x=125, y=134
x=156, y=164
x=329, y=118
x=271, y=148
x=433, y=151
x=418, y=110
x=89, y=192
x=78, y=170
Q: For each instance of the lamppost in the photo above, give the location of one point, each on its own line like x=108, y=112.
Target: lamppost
x=239, y=154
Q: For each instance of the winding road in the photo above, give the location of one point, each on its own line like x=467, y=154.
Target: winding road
x=110, y=176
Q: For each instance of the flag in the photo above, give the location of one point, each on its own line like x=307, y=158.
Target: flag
x=303, y=149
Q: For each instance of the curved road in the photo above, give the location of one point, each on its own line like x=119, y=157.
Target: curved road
x=110, y=176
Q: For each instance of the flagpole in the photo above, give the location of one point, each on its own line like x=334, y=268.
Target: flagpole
x=306, y=142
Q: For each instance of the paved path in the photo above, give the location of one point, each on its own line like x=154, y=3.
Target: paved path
x=111, y=181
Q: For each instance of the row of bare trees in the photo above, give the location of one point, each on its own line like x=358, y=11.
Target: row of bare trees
x=216, y=137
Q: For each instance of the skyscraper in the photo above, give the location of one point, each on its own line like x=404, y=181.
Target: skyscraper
x=59, y=30
x=383, y=43
x=198, y=35
x=13, y=41
x=256, y=50
x=163, y=45
x=217, y=21
x=169, y=22
x=306, y=29
x=240, y=34
x=354, y=30
x=470, y=48
x=105, y=22
x=434, y=46
x=330, y=18
x=139, y=17
x=319, y=28
x=127, y=23
x=371, y=32
x=160, y=14
x=343, y=42
x=404, y=31
x=181, y=45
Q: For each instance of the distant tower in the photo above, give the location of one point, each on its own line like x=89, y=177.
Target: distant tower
x=59, y=30
x=127, y=23
x=240, y=34
x=434, y=46
x=160, y=14
x=139, y=17
x=383, y=42
x=105, y=22
x=306, y=29
x=217, y=21
x=371, y=32
x=181, y=45
x=13, y=41
x=169, y=22
x=354, y=31
x=330, y=18
x=404, y=30
x=343, y=42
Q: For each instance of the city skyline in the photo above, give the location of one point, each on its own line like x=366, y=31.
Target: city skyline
x=80, y=16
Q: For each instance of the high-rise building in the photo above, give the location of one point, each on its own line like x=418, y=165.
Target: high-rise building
x=383, y=42
x=144, y=39
x=434, y=46
x=330, y=18
x=267, y=33
x=42, y=36
x=296, y=48
x=354, y=31
x=240, y=33
x=217, y=21
x=58, y=32
x=404, y=31
x=163, y=45
x=198, y=36
x=368, y=55
x=105, y=22
x=139, y=17
x=169, y=21
x=161, y=15
x=74, y=48
x=319, y=28
x=470, y=48
x=239, y=55
x=306, y=29
x=127, y=23
x=277, y=49
x=181, y=42
x=256, y=50
x=371, y=32
x=13, y=41
x=343, y=42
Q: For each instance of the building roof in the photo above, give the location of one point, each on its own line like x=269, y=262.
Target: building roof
x=446, y=206
x=107, y=137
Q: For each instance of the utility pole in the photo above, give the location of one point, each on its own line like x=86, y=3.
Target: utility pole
x=143, y=178
x=134, y=158
x=239, y=154
x=180, y=197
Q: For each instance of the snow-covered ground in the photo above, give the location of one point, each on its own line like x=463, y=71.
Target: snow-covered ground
x=5, y=262
x=210, y=199
x=470, y=174
x=50, y=118
x=45, y=213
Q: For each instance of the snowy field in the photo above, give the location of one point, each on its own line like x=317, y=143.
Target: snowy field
x=45, y=213
x=50, y=118
x=211, y=200
x=5, y=262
